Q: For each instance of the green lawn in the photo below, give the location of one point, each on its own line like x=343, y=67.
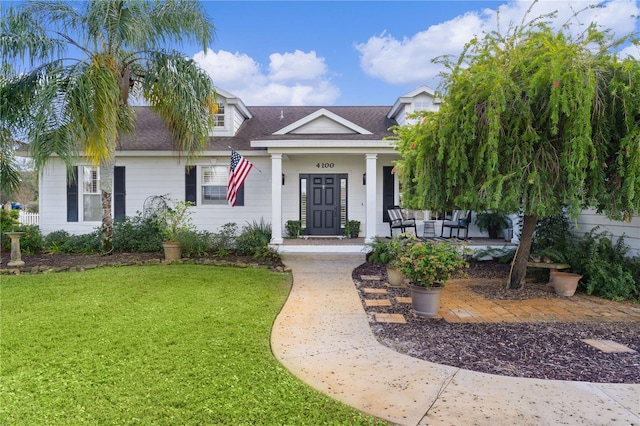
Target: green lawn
x=167, y=344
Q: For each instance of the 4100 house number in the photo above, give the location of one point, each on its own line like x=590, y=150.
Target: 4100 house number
x=325, y=165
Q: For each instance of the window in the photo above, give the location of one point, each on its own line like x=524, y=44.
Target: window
x=219, y=117
x=214, y=184
x=91, y=197
x=419, y=106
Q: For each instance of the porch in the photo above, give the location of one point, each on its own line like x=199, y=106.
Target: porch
x=357, y=245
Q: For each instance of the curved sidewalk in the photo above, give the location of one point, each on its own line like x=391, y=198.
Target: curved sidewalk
x=323, y=337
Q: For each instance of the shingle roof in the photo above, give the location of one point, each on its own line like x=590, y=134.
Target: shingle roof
x=152, y=135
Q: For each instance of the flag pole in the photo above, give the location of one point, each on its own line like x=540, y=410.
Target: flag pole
x=254, y=166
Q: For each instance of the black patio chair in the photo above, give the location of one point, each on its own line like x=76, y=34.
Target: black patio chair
x=398, y=221
x=460, y=220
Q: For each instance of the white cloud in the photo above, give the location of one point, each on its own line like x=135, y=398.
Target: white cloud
x=296, y=78
x=633, y=51
x=296, y=66
x=409, y=60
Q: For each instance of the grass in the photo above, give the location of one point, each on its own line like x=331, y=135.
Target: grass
x=166, y=344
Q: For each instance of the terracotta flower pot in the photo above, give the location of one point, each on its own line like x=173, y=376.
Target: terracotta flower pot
x=564, y=283
x=172, y=251
x=395, y=277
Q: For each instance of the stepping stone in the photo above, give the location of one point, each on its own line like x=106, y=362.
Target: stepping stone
x=401, y=299
x=374, y=290
x=377, y=302
x=390, y=318
x=370, y=277
x=608, y=346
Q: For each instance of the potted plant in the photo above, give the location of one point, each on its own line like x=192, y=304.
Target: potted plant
x=352, y=228
x=385, y=251
x=175, y=221
x=492, y=222
x=428, y=265
x=294, y=227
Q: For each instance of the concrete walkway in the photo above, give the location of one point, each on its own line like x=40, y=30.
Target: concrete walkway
x=323, y=337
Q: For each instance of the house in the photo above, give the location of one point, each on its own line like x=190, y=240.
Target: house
x=320, y=165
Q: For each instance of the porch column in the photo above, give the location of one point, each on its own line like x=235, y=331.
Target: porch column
x=372, y=180
x=276, y=199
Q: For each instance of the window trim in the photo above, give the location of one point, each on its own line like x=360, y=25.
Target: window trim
x=222, y=188
x=82, y=193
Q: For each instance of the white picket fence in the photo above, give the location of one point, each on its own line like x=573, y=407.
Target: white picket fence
x=27, y=218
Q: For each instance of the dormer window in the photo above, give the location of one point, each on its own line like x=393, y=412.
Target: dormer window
x=219, y=116
x=421, y=106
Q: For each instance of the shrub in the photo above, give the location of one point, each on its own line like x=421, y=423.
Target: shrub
x=253, y=237
x=267, y=254
x=63, y=242
x=553, y=239
x=194, y=243
x=224, y=241
x=606, y=269
x=137, y=234
x=31, y=241
x=8, y=219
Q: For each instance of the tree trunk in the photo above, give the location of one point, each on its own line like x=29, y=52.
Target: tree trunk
x=106, y=183
x=519, y=263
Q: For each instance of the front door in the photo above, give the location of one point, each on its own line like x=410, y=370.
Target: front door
x=324, y=207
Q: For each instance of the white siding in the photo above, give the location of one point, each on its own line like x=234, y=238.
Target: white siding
x=148, y=176
x=236, y=120
x=589, y=219
x=401, y=118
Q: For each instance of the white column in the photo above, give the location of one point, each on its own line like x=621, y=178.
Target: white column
x=276, y=199
x=371, y=192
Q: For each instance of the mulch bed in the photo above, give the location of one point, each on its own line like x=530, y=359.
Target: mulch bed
x=532, y=350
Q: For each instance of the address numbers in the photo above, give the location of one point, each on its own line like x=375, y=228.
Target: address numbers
x=325, y=165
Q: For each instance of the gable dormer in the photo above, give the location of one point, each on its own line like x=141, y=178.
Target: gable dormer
x=322, y=121
x=422, y=98
x=232, y=112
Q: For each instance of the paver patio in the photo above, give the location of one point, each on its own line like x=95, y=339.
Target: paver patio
x=459, y=304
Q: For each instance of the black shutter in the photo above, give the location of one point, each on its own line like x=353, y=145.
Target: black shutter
x=190, y=187
x=240, y=196
x=119, y=194
x=387, y=191
x=72, y=195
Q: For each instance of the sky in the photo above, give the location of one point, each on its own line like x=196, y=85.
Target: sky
x=325, y=53
x=361, y=52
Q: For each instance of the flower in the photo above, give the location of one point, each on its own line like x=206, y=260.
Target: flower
x=426, y=263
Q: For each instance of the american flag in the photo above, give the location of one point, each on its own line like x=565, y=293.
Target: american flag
x=240, y=168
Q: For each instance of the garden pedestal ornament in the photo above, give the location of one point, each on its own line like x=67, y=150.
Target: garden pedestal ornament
x=16, y=255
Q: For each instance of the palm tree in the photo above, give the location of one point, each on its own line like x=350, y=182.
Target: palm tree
x=87, y=60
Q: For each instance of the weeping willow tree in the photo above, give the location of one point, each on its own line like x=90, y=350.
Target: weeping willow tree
x=535, y=121
x=85, y=61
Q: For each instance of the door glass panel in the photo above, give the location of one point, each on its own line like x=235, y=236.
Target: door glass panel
x=343, y=202
x=303, y=203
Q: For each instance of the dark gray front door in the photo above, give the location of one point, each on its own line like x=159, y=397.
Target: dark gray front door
x=323, y=206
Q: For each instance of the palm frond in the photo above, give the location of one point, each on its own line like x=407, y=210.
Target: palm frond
x=184, y=96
